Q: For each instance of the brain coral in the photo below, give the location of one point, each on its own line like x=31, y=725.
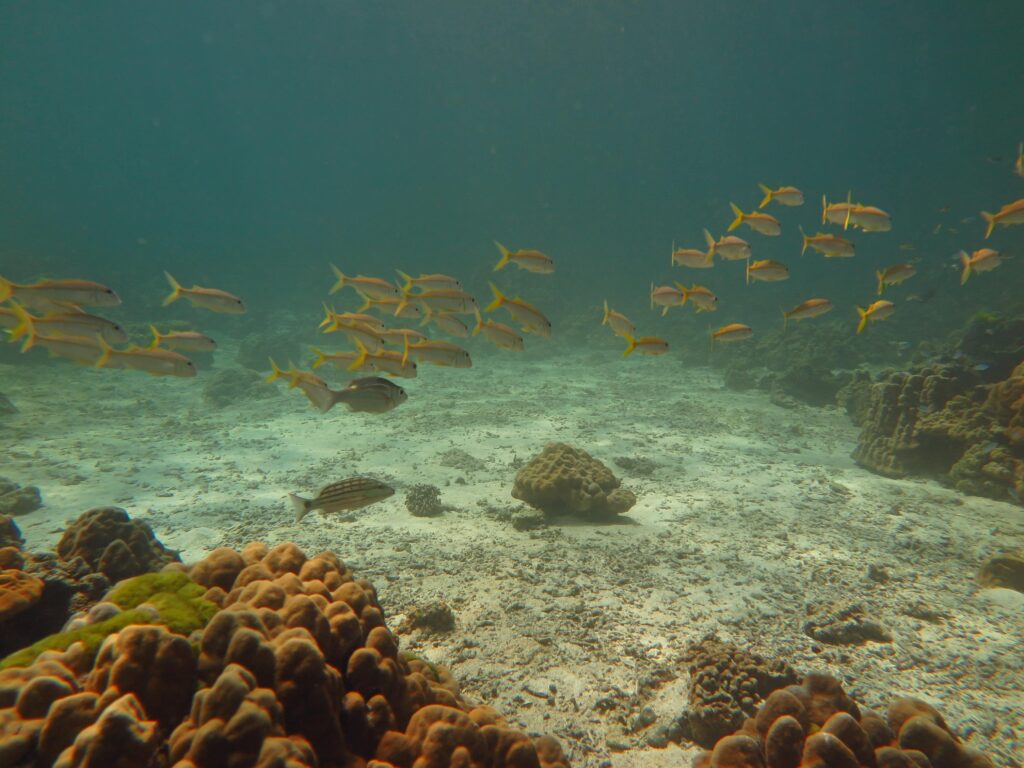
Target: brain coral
x=114, y=545
x=569, y=481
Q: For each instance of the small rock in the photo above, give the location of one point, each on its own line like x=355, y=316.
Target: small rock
x=433, y=618
x=21, y=501
x=845, y=625
x=1005, y=570
x=528, y=519
x=424, y=500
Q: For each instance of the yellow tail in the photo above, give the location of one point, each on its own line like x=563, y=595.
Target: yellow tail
x=966, y=261
x=157, y=338
x=363, y=353
x=863, y=319
x=405, y=352
x=428, y=314
x=104, y=358
x=881, y=281
x=175, y=289
x=768, y=194
x=480, y=321
x=321, y=358
x=849, y=209
x=505, y=256
x=739, y=217
x=341, y=280
x=25, y=327
x=991, y=219
x=748, y=271
x=328, y=316
x=824, y=209
x=403, y=303
x=408, y=281
x=6, y=289
x=806, y=239
x=499, y=299
x=275, y=372
x=711, y=244
x=683, y=290
x=631, y=345
x=607, y=313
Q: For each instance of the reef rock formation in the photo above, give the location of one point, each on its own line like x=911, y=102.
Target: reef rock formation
x=1004, y=570
x=114, y=545
x=817, y=724
x=17, y=499
x=292, y=666
x=563, y=480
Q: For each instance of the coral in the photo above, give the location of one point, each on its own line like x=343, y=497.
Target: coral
x=18, y=592
x=18, y=500
x=1004, y=570
x=121, y=737
x=566, y=480
x=726, y=685
x=10, y=534
x=112, y=544
x=424, y=500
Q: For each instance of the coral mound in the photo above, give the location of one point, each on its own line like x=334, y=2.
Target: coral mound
x=293, y=665
x=817, y=724
x=562, y=480
x=112, y=544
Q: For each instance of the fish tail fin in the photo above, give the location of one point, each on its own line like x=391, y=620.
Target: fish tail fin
x=683, y=290
x=328, y=316
x=630, y=346
x=849, y=208
x=6, y=289
x=367, y=304
x=156, y=337
x=175, y=289
x=804, y=236
x=991, y=219
x=499, y=298
x=739, y=217
x=405, y=352
x=863, y=319
x=25, y=327
x=748, y=270
x=408, y=281
x=480, y=321
x=711, y=244
x=299, y=505
x=672, y=254
x=403, y=303
x=275, y=372
x=428, y=314
x=321, y=358
x=966, y=261
x=340, y=283
x=505, y=256
x=767, y=195
x=881, y=281
x=104, y=357
x=824, y=209
x=361, y=357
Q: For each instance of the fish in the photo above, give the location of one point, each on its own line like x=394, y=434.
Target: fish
x=868, y=218
x=906, y=247
x=645, y=345
x=665, y=296
x=530, y=260
x=392, y=306
x=451, y=300
x=702, y=298
x=356, y=331
x=190, y=341
x=1018, y=164
x=783, y=196
x=367, y=287
x=836, y=213
x=894, y=275
x=442, y=353
x=69, y=324
x=56, y=294
x=384, y=361
x=805, y=310
x=339, y=359
x=371, y=394
x=84, y=350
x=428, y=282
x=878, y=310
x=211, y=299
x=499, y=334
x=692, y=258
x=155, y=362
x=982, y=260
x=346, y=495
x=330, y=317
x=832, y=246
x=618, y=322
x=446, y=322
x=1011, y=213
x=756, y=220
x=766, y=271
x=398, y=336
x=731, y=332
x=729, y=247
x=530, y=318
x=312, y=386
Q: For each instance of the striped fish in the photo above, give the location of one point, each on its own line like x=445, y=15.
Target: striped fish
x=353, y=493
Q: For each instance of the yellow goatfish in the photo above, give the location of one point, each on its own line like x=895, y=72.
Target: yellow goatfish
x=731, y=332
x=868, y=218
x=399, y=336
x=429, y=282
x=618, y=322
x=155, y=362
x=530, y=318
x=766, y=271
x=338, y=359
x=440, y=300
x=808, y=309
x=729, y=247
x=80, y=349
x=832, y=246
x=782, y=195
x=1011, y=213
x=499, y=334
x=440, y=353
x=385, y=361
x=756, y=220
x=190, y=341
x=369, y=287
x=876, y=311
x=56, y=294
x=692, y=258
x=357, y=332
x=76, y=324
x=836, y=213
x=446, y=322
x=530, y=260
x=645, y=345
x=392, y=306
x=212, y=299
x=982, y=260
x=702, y=298
x=665, y=296
x=330, y=316
x=894, y=275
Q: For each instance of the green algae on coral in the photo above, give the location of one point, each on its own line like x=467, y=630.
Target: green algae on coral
x=176, y=600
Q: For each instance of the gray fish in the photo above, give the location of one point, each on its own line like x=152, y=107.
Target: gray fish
x=353, y=493
x=371, y=394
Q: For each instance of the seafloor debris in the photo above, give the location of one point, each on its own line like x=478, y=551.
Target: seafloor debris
x=424, y=500
x=845, y=624
x=434, y=618
x=293, y=665
x=562, y=480
x=18, y=499
x=1004, y=570
x=112, y=544
x=817, y=724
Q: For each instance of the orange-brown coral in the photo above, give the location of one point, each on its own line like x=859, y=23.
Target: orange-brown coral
x=569, y=481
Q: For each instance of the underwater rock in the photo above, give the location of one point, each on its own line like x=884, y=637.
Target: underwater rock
x=436, y=618
x=845, y=625
x=424, y=500
x=10, y=534
x=230, y=386
x=855, y=396
x=810, y=384
x=19, y=500
x=726, y=685
x=1005, y=570
x=636, y=465
x=994, y=343
x=113, y=544
x=562, y=480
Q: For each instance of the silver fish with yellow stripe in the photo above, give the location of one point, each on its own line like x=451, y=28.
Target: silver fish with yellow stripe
x=353, y=493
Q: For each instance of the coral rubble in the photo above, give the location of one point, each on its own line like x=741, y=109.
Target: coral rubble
x=569, y=481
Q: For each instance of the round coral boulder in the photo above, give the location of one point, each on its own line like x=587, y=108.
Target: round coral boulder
x=562, y=480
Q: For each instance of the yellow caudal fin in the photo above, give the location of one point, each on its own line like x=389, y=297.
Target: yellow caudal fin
x=991, y=219
x=806, y=239
x=739, y=217
x=403, y=303
x=505, y=256
x=340, y=283
x=711, y=244
x=630, y=346
x=849, y=209
x=25, y=327
x=966, y=261
x=361, y=357
x=328, y=316
x=499, y=298
x=768, y=194
x=175, y=289
x=321, y=358
x=275, y=372
x=683, y=290
x=480, y=321
x=824, y=209
x=863, y=319
x=428, y=315
x=104, y=357
x=408, y=281
x=6, y=289
x=748, y=271
x=405, y=352
x=157, y=338
x=881, y=281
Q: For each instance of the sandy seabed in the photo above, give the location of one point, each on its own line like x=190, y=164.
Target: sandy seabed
x=748, y=514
